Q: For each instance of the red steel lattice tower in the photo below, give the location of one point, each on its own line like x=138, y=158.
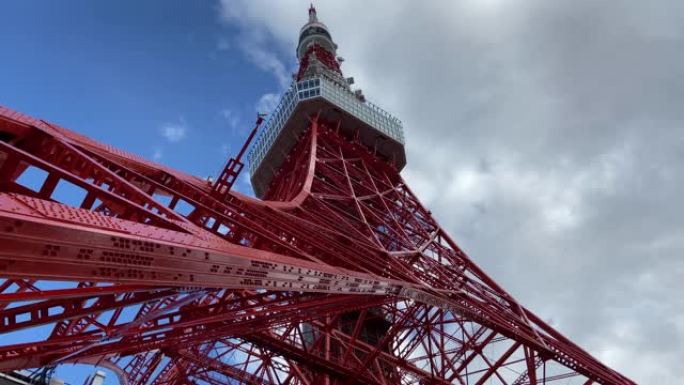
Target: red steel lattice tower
x=336, y=275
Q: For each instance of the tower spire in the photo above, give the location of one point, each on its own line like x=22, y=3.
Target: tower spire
x=316, y=51
x=312, y=14
x=340, y=275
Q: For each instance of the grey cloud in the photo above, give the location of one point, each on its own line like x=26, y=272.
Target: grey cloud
x=548, y=138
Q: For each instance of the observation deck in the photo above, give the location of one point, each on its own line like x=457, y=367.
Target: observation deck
x=377, y=129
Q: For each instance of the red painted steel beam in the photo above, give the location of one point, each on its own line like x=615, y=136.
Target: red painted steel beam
x=73, y=293
x=56, y=310
x=341, y=235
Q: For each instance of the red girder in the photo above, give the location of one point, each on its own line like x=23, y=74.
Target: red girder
x=39, y=313
x=231, y=171
x=316, y=52
x=342, y=276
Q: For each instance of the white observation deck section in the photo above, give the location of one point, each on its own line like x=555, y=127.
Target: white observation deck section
x=377, y=128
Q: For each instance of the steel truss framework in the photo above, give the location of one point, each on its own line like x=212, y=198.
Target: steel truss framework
x=167, y=283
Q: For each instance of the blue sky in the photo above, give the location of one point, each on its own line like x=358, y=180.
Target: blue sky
x=162, y=79
x=159, y=78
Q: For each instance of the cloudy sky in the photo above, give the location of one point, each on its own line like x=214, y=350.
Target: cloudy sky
x=546, y=136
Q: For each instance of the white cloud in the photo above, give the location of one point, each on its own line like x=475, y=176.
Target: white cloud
x=546, y=137
x=231, y=118
x=267, y=102
x=244, y=184
x=267, y=61
x=157, y=154
x=256, y=43
x=174, y=132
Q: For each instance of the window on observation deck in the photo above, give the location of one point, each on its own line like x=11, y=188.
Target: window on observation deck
x=333, y=92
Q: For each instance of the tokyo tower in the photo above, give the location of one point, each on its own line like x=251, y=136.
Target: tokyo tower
x=335, y=275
